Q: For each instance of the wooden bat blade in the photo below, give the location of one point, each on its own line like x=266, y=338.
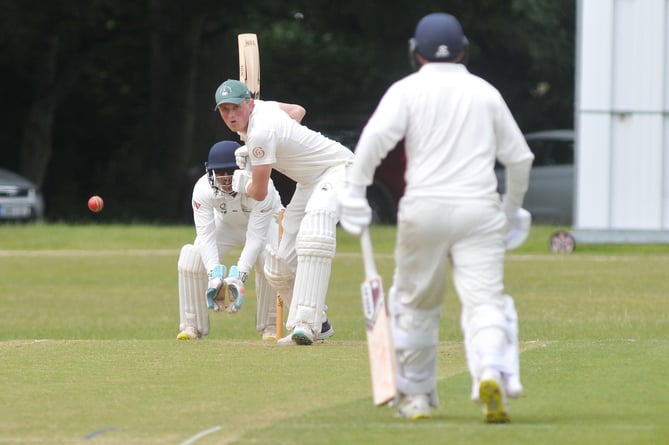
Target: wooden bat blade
x=249, y=62
x=379, y=341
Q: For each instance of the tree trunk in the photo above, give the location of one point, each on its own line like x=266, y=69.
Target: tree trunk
x=50, y=87
x=175, y=37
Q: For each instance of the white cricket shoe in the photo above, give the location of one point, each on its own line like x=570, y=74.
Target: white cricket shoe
x=491, y=395
x=414, y=407
x=303, y=334
x=269, y=334
x=189, y=333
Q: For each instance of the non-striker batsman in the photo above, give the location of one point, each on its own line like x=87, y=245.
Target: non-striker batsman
x=455, y=126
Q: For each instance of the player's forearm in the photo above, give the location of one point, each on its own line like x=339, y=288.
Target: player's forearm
x=252, y=249
x=517, y=181
x=372, y=148
x=256, y=192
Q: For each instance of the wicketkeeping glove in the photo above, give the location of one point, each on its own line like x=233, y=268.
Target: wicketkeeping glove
x=216, y=277
x=240, y=179
x=356, y=214
x=242, y=156
x=235, y=290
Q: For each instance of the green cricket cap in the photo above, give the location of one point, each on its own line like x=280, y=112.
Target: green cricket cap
x=231, y=92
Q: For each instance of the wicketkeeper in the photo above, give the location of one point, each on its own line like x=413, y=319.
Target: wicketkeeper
x=225, y=220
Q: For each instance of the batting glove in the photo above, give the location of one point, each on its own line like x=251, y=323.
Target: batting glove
x=356, y=214
x=216, y=277
x=518, y=228
x=242, y=156
x=240, y=181
x=235, y=290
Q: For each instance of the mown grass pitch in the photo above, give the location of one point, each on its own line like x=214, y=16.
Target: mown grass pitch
x=89, y=315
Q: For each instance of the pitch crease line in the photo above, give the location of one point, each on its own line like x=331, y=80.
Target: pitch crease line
x=201, y=434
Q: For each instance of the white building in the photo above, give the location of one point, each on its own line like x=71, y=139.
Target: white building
x=622, y=121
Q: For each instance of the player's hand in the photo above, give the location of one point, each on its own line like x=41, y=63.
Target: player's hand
x=216, y=277
x=356, y=214
x=518, y=228
x=242, y=156
x=240, y=179
x=234, y=290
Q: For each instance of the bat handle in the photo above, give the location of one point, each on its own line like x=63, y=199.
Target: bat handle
x=368, y=253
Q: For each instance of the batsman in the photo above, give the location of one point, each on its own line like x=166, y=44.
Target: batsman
x=455, y=126
x=300, y=268
x=224, y=220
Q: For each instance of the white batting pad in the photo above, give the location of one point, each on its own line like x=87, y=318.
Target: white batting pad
x=491, y=341
x=266, y=298
x=416, y=338
x=315, y=246
x=277, y=271
x=192, y=290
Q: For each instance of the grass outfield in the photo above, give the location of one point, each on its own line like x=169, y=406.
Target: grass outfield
x=89, y=315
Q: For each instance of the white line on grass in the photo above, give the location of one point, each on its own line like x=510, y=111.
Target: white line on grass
x=201, y=434
x=172, y=252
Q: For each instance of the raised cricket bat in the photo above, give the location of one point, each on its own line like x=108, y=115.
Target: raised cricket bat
x=249, y=62
x=377, y=326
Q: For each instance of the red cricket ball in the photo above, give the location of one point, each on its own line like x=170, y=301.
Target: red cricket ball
x=95, y=203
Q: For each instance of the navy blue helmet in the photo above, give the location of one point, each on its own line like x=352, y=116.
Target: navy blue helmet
x=221, y=158
x=438, y=38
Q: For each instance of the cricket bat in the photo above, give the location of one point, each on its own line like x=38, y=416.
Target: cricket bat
x=377, y=325
x=249, y=62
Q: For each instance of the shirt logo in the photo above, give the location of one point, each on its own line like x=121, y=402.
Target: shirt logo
x=258, y=153
x=196, y=205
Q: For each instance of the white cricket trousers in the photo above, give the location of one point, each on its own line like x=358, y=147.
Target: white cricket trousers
x=431, y=232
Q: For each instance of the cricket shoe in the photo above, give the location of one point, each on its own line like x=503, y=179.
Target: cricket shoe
x=491, y=395
x=269, y=334
x=189, y=333
x=327, y=331
x=302, y=335
x=414, y=407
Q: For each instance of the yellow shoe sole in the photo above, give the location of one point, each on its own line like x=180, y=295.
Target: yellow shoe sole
x=493, y=400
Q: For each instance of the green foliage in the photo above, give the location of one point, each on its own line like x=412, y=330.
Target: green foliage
x=89, y=313
x=338, y=58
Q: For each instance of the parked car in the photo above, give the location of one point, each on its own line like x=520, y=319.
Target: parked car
x=20, y=199
x=550, y=195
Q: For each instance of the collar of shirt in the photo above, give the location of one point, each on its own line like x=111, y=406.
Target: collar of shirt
x=444, y=67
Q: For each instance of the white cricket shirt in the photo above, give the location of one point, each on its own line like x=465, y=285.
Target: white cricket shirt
x=274, y=138
x=455, y=124
x=221, y=216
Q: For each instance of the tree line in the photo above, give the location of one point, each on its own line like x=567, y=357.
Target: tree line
x=115, y=97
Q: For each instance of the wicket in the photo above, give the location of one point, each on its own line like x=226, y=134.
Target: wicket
x=279, y=300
